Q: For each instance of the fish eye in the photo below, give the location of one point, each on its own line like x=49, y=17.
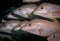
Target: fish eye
x=41, y=7
x=30, y=24
x=19, y=9
x=54, y=36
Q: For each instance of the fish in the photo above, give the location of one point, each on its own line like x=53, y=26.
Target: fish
x=9, y=26
x=22, y=12
x=41, y=27
x=54, y=37
x=25, y=10
x=48, y=10
x=28, y=1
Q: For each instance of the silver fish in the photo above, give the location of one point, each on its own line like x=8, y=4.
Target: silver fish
x=25, y=11
x=28, y=1
x=54, y=37
x=9, y=25
x=41, y=27
x=48, y=10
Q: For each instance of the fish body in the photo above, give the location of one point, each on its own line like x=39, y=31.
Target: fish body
x=41, y=27
x=54, y=37
x=25, y=11
x=28, y=1
x=48, y=10
x=9, y=25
